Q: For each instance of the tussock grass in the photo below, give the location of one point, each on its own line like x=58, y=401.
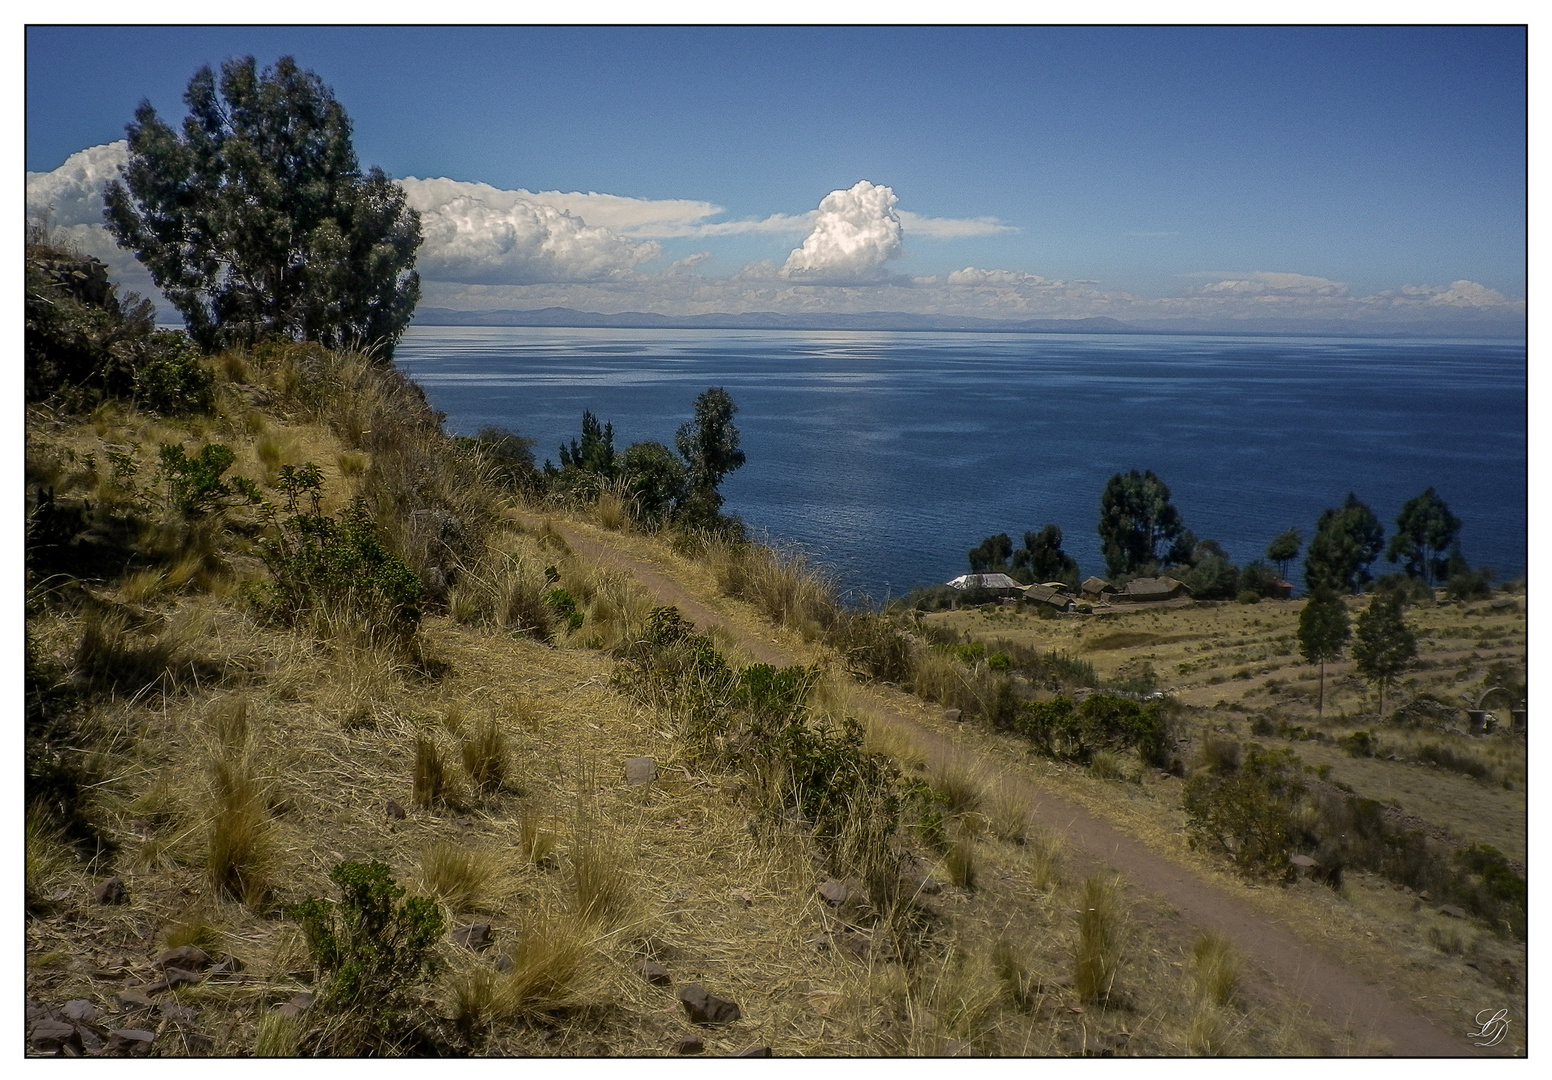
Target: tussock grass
x=895, y=744
x=603, y=887
x=1106, y=765
x=239, y=843
x=957, y=785
x=960, y=862
x=352, y=464
x=486, y=759
x=1215, y=969
x=547, y=965
x=535, y=843
x=1097, y=954
x=457, y=876
x=46, y=858
x=1007, y=814
x=785, y=586
x=611, y=511
x=1208, y=1035
x=430, y=785
x=278, y=1036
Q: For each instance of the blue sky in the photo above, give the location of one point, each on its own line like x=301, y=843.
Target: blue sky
x=1372, y=175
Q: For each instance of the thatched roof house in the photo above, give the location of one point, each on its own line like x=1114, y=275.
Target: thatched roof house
x=1148, y=589
x=1001, y=584
x=1045, y=594
x=1095, y=588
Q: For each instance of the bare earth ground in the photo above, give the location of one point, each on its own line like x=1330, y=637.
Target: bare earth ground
x=1381, y=1014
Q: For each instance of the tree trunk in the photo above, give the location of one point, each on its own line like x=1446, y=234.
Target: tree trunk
x=1320, y=710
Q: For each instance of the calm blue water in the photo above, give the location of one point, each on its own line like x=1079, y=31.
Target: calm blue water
x=890, y=455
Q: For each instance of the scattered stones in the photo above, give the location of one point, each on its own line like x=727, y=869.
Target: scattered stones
x=177, y=1013
x=754, y=1051
x=131, y=1000
x=172, y=978
x=187, y=957
x=136, y=1042
x=952, y=715
x=689, y=1044
x=393, y=811
x=112, y=891
x=79, y=1011
x=1452, y=911
x=834, y=892
x=52, y=1036
x=475, y=937
x=654, y=972
x=640, y=770
x=703, y=1007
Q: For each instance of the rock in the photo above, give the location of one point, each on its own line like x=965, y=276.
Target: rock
x=52, y=1036
x=38, y=1011
x=654, y=972
x=742, y=897
x=393, y=811
x=706, y=1008
x=639, y=771
x=689, y=1044
x=754, y=1051
x=475, y=937
x=198, y=1042
x=928, y=887
x=79, y=1011
x=1303, y=862
x=1452, y=911
x=112, y=891
x=134, y=1041
x=131, y=1001
x=298, y=1004
x=172, y=978
x=834, y=892
x=91, y=1043
x=952, y=715
x=187, y=957
x=178, y=1014
x=503, y=963
x=229, y=965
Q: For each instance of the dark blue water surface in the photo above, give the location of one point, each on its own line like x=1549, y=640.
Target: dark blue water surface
x=888, y=456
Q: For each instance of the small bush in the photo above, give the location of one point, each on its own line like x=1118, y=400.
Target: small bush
x=1453, y=760
x=195, y=486
x=372, y=952
x=169, y=378
x=1248, y=814
x=1249, y=597
x=1359, y=743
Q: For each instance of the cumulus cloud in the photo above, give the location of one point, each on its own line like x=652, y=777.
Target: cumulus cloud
x=856, y=231
x=69, y=200
x=479, y=234
x=1264, y=283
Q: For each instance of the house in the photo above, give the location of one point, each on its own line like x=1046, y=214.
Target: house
x=1046, y=594
x=1147, y=590
x=1095, y=588
x=1284, y=589
x=1000, y=584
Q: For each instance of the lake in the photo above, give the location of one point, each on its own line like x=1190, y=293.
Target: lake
x=889, y=455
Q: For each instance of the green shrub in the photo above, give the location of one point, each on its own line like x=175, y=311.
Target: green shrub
x=1102, y=722
x=194, y=484
x=169, y=378
x=1359, y=743
x=565, y=606
x=371, y=953
x=1248, y=813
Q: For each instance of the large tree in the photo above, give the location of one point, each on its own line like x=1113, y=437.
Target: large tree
x=1284, y=549
x=991, y=555
x=256, y=220
x=1383, y=644
x=709, y=445
x=1138, y=525
x=1043, y=557
x=1323, y=633
x=1347, y=539
x=1425, y=531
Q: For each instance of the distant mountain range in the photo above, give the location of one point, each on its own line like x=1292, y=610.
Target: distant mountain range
x=904, y=321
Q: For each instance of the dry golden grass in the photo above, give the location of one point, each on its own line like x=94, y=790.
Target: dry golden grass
x=1097, y=955
x=460, y=877
x=239, y=844
x=1215, y=969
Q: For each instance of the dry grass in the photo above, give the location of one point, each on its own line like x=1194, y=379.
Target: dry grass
x=459, y=877
x=239, y=843
x=278, y=1036
x=1097, y=955
x=958, y=785
x=612, y=512
x=430, y=784
x=1215, y=969
x=785, y=586
x=486, y=760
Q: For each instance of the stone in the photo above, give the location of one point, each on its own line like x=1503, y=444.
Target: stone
x=134, y=1041
x=928, y=887
x=742, y=897
x=834, y=892
x=689, y=1044
x=1303, y=862
x=178, y=1013
x=187, y=957
x=1452, y=911
x=952, y=715
x=704, y=1007
x=654, y=972
x=503, y=963
x=79, y=1011
x=640, y=770
x=393, y=811
x=112, y=891
x=298, y=1004
x=91, y=1042
x=754, y=1051
x=52, y=1036
x=38, y=1011
x=172, y=978
x=131, y=1000
x=475, y=937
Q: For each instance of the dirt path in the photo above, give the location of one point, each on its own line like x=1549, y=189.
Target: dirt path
x=1375, y=1014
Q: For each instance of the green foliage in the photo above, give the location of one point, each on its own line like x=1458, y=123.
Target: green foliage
x=1284, y=549
x=1138, y=525
x=595, y=454
x=991, y=555
x=1259, y=578
x=508, y=457
x=195, y=486
x=336, y=566
x=1425, y=532
x=1383, y=644
x=1248, y=812
x=1359, y=743
x=1212, y=577
x=1347, y=540
x=1323, y=632
x=1043, y=558
x=565, y=606
x=709, y=445
x=169, y=377
x=656, y=479
x=874, y=646
x=256, y=221
x=1465, y=584
x=372, y=952
x=1060, y=729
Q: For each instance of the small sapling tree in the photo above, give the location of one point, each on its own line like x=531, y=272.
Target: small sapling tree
x=1383, y=644
x=1323, y=633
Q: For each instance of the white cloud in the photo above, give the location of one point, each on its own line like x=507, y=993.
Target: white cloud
x=479, y=234
x=1462, y=294
x=855, y=233
x=1264, y=283
x=950, y=228
x=69, y=199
